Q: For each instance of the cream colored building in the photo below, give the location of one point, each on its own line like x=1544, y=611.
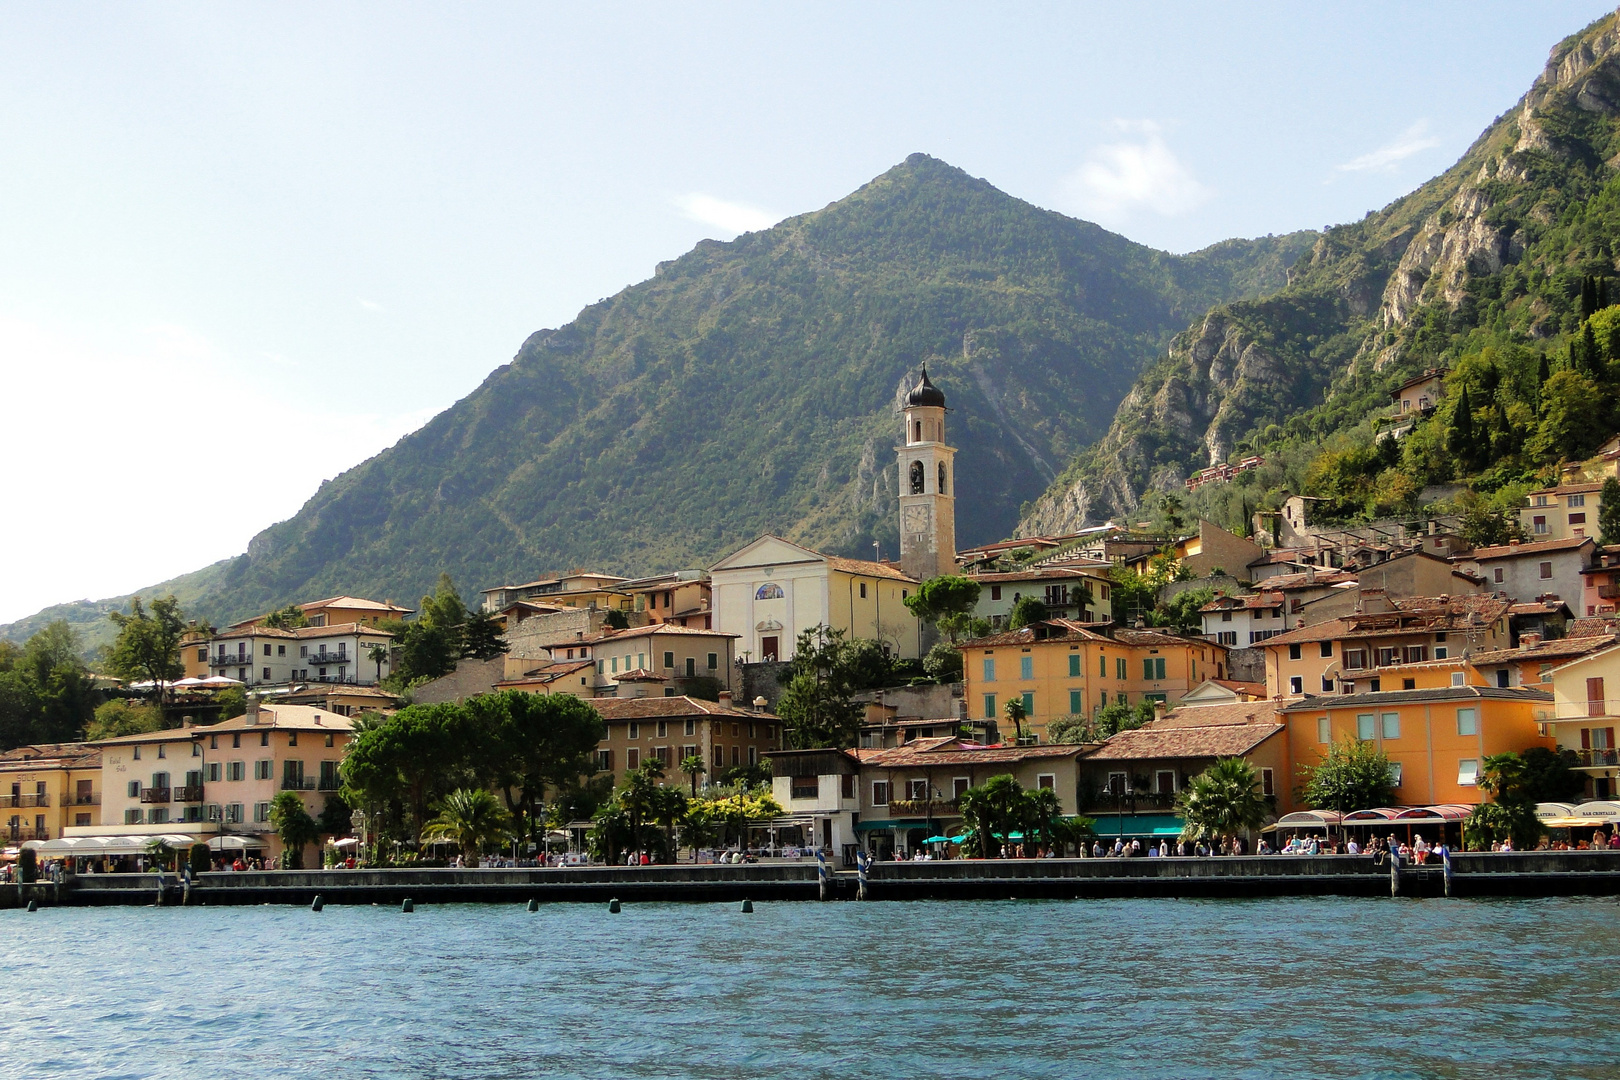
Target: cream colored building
x=1585, y=716
x=770, y=591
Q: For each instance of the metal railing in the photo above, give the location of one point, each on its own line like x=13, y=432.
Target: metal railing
x=74, y=798
x=16, y=801
x=1592, y=759
x=921, y=807
x=231, y=660
x=329, y=783
x=188, y=793
x=19, y=834
x=155, y=794
x=301, y=783
x=1130, y=802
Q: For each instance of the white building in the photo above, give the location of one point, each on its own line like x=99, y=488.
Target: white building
x=264, y=655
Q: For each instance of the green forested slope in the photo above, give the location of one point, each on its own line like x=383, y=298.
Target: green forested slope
x=1480, y=269
x=750, y=387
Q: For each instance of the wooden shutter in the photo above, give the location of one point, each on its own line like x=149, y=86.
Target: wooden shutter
x=1595, y=702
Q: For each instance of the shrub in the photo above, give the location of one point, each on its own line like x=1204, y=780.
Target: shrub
x=201, y=860
x=27, y=866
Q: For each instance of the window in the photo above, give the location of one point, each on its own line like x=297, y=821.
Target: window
x=989, y=669
x=917, y=789
x=1467, y=721
x=1395, y=773
x=995, y=592
x=1153, y=668
x=292, y=738
x=1165, y=781
x=714, y=661
x=281, y=650
x=1324, y=730
x=989, y=706
x=959, y=786
x=768, y=591
x=1296, y=685
x=267, y=649
x=1441, y=652
x=635, y=730
x=1355, y=658
x=1577, y=500
x=1102, y=667
x=1327, y=684
x=266, y=675
x=1391, y=725
x=163, y=751
x=132, y=816
x=1538, y=525
x=1268, y=786
x=233, y=813
x=1029, y=703
x=1366, y=726
x=691, y=667
x=1577, y=519
x=1226, y=616
x=1074, y=665
x=805, y=787
x=213, y=772
x=880, y=793
x=1327, y=648
x=261, y=769
x=632, y=758
x=158, y=816
x=1226, y=637
x=1026, y=667
x=1417, y=654
x=663, y=729
x=1077, y=703
x=1119, y=668
x=1293, y=652
x=719, y=756
x=691, y=729
x=236, y=770
x=134, y=789
x=1456, y=678
x=264, y=738
x=1468, y=772
x=863, y=590
x=261, y=812
x=1545, y=570
x=1045, y=782
x=669, y=659
x=1116, y=783
x=1596, y=697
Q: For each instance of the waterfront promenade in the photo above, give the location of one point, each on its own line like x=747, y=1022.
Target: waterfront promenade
x=1533, y=873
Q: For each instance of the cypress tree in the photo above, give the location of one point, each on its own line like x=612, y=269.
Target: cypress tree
x=1609, y=513
x=1602, y=293
x=1588, y=296
x=1589, y=350
x=1572, y=361
x=1460, y=439
x=1543, y=373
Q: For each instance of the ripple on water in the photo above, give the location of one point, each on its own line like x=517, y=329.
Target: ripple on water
x=1332, y=988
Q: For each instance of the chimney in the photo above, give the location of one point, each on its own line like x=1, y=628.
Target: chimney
x=317, y=719
x=725, y=699
x=187, y=721
x=1529, y=641
x=253, y=709
x=760, y=703
x=1159, y=709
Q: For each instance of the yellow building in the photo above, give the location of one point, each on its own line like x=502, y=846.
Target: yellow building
x=576, y=590
x=1060, y=668
x=1584, y=717
x=773, y=590
x=48, y=787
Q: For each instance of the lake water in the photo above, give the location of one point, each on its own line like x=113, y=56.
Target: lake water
x=1130, y=988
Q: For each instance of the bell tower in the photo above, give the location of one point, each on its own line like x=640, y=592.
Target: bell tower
x=927, y=486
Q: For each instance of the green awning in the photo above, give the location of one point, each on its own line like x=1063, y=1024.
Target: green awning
x=1138, y=825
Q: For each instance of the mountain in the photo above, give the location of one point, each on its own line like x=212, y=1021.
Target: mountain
x=749, y=387
x=1481, y=266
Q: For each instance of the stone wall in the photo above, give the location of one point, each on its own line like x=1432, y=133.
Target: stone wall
x=1246, y=665
x=471, y=677
x=763, y=680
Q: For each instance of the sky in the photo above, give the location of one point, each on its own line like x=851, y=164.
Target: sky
x=245, y=247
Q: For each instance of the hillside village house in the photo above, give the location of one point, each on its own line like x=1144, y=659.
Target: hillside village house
x=681, y=599
x=1600, y=584
x=671, y=729
x=1060, y=668
x=1405, y=574
x=1583, y=719
x=1391, y=644
x=1541, y=568
x=1561, y=512
x=265, y=655
x=1436, y=739
x=575, y=590
x=890, y=801
x=46, y=788
x=215, y=784
x=772, y=590
x=1210, y=549
x=1414, y=399
x=1061, y=588
x=335, y=610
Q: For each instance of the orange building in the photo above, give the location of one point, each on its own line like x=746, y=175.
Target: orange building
x=1436, y=739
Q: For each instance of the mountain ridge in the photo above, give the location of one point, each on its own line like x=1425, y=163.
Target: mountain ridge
x=748, y=386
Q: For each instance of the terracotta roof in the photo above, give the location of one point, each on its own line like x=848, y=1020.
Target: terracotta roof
x=640, y=675
x=921, y=753
x=1589, y=625
x=1043, y=573
x=866, y=567
x=1557, y=649
x=282, y=717
x=1565, y=489
x=1322, y=578
x=658, y=708
x=1247, y=687
x=609, y=636
x=336, y=630
x=546, y=673
x=1248, y=601
x=1161, y=740
x=359, y=603
x=1067, y=630
x=1534, y=547
x=52, y=755
x=1233, y=712
x=1157, y=637
x=1412, y=615
x=1418, y=697
x=1539, y=607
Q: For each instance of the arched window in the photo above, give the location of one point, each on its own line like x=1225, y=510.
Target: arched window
x=769, y=591
x=942, y=478
x=916, y=478
x=918, y=437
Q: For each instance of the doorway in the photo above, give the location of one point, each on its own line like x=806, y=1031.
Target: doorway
x=768, y=648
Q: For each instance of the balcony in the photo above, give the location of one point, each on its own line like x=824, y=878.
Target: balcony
x=1131, y=802
x=921, y=807
x=1596, y=759
x=297, y=783
x=329, y=783
x=19, y=834
x=14, y=801
x=154, y=794
x=89, y=798
x=1609, y=592
x=188, y=793
x=327, y=658
x=230, y=660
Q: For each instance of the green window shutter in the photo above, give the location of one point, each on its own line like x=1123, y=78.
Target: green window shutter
x=1029, y=703
x=1074, y=665
x=989, y=706
x=1026, y=667
x=1147, y=668
x=1076, y=702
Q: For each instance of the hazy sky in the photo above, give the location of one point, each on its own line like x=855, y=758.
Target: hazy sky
x=242, y=248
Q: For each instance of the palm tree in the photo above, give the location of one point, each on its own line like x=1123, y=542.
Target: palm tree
x=1223, y=800
x=1016, y=715
x=992, y=807
x=469, y=817
x=379, y=656
x=692, y=765
x=296, y=828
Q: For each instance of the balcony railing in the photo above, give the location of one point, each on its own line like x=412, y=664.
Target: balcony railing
x=19, y=834
x=329, y=783
x=1130, y=802
x=1609, y=592
x=921, y=807
x=1596, y=759
x=14, y=801
x=75, y=798
x=188, y=793
x=290, y=783
x=155, y=794
x=231, y=660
